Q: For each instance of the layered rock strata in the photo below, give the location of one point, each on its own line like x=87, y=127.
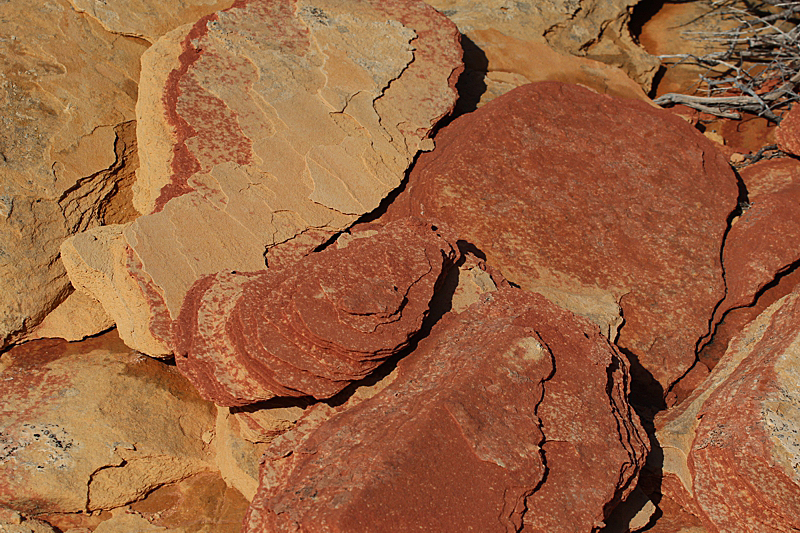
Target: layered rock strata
x=500, y=420
x=553, y=183
x=736, y=468
x=271, y=126
x=85, y=428
x=314, y=328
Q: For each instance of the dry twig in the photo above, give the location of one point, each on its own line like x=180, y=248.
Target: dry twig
x=758, y=70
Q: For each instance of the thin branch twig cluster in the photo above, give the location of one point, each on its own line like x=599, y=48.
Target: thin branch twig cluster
x=757, y=66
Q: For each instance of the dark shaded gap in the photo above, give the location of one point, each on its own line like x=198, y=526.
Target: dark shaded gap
x=642, y=13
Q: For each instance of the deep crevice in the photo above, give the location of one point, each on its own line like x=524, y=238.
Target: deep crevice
x=742, y=202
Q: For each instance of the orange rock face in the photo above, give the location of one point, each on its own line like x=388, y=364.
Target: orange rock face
x=313, y=328
x=272, y=126
x=600, y=204
x=502, y=419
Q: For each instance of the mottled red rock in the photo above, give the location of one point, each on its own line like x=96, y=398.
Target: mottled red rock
x=595, y=202
x=733, y=444
x=510, y=416
x=312, y=329
x=762, y=244
x=788, y=132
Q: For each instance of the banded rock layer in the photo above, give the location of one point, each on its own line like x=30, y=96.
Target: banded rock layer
x=313, y=328
x=510, y=416
x=272, y=125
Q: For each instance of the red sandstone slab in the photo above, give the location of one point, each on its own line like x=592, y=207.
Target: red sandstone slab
x=314, y=328
x=761, y=245
x=603, y=205
x=510, y=416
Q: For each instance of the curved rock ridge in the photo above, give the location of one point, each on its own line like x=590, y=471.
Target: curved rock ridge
x=510, y=416
x=314, y=328
x=594, y=29
x=737, y=467
x=598, y=203
x=273, y=125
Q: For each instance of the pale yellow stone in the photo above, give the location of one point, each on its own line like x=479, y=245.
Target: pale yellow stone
x=147, y=19
x=67, y=94
x=301, y=121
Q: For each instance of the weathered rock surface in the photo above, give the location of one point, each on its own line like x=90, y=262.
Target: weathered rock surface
x=731, y=449
x=314, y=328
x=274, y=125
x=502, y=419
x=761, y=245
x=553, y=183
x=147, y=19
x=199, y=504
x=100, y=263
x=788, y=132
x=67, y=149
x=594, y=29
x=94, y=426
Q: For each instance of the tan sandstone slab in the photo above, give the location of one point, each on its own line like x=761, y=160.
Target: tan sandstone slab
x=271, y=126
x=67, y=147
x=94, y=425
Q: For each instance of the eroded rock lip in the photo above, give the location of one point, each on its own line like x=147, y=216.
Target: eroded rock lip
x=597, y=203
x=314, y=328
x=455, y=442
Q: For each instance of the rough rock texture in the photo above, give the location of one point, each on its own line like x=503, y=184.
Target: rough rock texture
x=77, y=317
x=761, y=245
x=274, y=125
x=595, y=29
x=147, y=19
x=553, y=183
x=94, y=426
x=731, y=450
x=314, y=328
x=67, y=147
x=241, y=437
x=503, y=418
x=788, y=133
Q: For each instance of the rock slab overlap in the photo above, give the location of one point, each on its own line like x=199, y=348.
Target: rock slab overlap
x=313, y=328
